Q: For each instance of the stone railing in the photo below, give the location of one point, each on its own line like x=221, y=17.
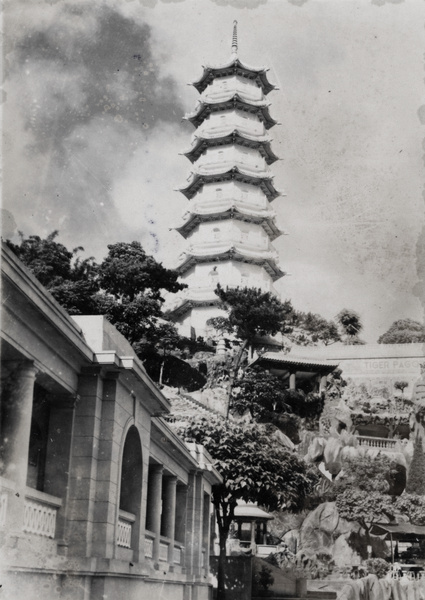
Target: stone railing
x=124, y=528
x=40, y=512
x=388, y=444
x=178, y=554
x=163, y=550
x=149, y=538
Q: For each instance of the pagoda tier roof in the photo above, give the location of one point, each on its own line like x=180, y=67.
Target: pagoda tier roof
x=234, y=101
x=198, y=180
x=232, y=252
x=232, y=211
x=188, y=303
x=231, y=136
x=234, y=67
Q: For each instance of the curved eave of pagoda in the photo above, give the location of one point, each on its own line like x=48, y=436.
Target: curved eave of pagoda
x=230, y=254
x=198, y=180
x=187, y=304
x=234, y=67
x=204, y=109
x=195, y=219
x=261, y=143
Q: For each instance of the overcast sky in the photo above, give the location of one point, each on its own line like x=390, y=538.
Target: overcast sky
x=96, y=91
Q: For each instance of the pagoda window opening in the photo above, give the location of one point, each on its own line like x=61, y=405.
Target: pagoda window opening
x=217, y=233
x=219, y=192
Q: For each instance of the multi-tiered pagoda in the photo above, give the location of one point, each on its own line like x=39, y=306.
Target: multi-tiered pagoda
x=230, y=224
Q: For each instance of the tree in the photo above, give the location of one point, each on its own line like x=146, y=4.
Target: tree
x=251, y=313
x=401, y=385
x=351, y=325
x=125, y=287
x=365, y=507
x=363, y=494
x=308, y=329
x=416, y=473
x=403, y=331
x=254, y=468
x=412, y=506
x=71, y=280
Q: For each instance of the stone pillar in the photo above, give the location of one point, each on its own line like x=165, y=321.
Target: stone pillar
x=192, y=540
x=17, y=411
x=155, y=507
x=58, y=457
x=84, y=462
x=169, y=514
x=323, y=383
x=292, y=381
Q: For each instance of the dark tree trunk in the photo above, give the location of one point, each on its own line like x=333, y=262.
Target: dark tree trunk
x=234, y=374
x=224, y=515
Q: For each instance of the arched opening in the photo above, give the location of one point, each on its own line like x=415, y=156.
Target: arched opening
x=131, y=473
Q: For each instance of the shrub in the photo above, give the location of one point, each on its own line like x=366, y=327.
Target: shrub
x=378, y=567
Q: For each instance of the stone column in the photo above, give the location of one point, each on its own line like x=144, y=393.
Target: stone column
x=169, y=514
x=155, y=507
x=58, y=458
x=17, y=411
x=292, y=381
x=323, y=383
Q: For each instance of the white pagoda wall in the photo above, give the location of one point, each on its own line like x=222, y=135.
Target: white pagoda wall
x=212, y=192
x=229, y=273
x=235, y=119
x=233, y=231
x=222, y=87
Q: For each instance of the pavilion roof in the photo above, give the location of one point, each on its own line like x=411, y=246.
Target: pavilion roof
x=399, y=531
x=279, y=359
x=251, y=511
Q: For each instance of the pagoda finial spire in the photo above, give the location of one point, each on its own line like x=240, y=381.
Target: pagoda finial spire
x=235, y=38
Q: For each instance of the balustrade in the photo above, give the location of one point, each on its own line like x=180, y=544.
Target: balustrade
x=163, y=550
x=377, y=442
x=124, y=528
x=40, y=512
x=178, y=555
x=149, y=538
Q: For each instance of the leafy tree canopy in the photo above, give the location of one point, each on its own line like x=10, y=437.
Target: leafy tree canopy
x=125, y=287
x=308, y=329
x=351, y=325
x=254, y=468
x=403, y=331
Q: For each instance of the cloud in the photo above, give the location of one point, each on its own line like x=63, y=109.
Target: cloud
x=83, y=88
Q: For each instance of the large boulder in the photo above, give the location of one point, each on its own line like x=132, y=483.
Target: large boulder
x=323, y=532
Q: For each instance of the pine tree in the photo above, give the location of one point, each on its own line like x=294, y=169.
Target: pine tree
x=416, y=475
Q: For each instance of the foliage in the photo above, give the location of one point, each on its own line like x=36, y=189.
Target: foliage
x=309, y=329
x=263, y=578
x=351, y=325
x=401, y=385
x=367, y=473
x=71, y=281
x=416, y=473
x=254, y=468
x=261, y=394
x=403, y=331
x=411, y=506
x=335, y=385
x=364, y=506
x=378, y=567
x=126, y=288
